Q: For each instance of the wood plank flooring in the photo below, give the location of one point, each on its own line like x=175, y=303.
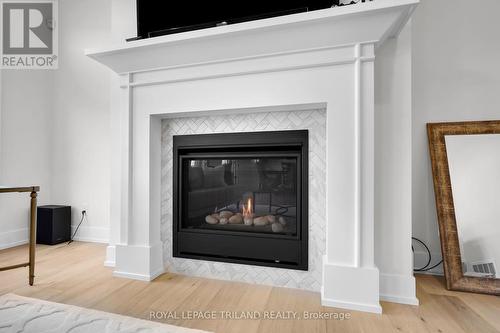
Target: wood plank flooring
x=75, y=275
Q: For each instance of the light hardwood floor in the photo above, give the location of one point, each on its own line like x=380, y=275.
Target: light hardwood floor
x=75, y=275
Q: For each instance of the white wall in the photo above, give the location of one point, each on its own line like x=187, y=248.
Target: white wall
x=456, y=76
x=25, y=147
x=81, y=121
x=55, y=128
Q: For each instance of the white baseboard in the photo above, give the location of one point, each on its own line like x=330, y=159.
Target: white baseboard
x=400, y=300
x=431, y=273
x=140, y=277
x=18, y=237
x=110, y=256
x=349, y=305
x=91, y=234
x=111, y=264
x=13, y=244
x=139, y=262
x=353, y=288
x=398, y=289
x=13, y=238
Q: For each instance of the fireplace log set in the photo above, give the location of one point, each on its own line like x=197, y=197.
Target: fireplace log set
x=227, y=217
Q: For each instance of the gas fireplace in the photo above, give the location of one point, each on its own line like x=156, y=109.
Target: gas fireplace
x=242, y=198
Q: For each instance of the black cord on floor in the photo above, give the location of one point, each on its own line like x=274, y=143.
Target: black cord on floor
x=426, y=268
x=84, y=215
x=432, y=267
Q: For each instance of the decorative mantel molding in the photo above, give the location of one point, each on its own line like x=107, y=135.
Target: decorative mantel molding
x=299, y=61
x=373, y=21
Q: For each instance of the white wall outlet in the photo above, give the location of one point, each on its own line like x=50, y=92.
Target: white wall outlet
x=85, y=207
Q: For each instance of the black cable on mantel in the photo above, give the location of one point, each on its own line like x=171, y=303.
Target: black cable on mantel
x=426, y=268
x=338, y=3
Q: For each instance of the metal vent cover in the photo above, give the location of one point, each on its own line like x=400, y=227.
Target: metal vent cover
x=487, y=267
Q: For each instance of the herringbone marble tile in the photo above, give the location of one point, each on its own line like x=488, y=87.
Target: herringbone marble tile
x=312, y=120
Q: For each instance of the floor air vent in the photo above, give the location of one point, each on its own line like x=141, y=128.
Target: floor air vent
x=486, y=267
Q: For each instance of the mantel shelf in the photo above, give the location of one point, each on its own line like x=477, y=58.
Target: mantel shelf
x=365, y=22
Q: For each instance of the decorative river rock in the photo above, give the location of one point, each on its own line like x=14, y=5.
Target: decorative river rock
x=227, y=217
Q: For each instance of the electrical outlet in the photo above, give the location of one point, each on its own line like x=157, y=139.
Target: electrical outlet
x=85, y=207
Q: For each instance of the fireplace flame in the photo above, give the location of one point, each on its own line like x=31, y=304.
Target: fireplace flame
x=247, y=209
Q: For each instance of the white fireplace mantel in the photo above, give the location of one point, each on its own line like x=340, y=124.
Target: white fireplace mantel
x=303, y=61
x=368, y=22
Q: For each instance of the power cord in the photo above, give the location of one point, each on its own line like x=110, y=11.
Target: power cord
x=426, y=268
x=84, y=215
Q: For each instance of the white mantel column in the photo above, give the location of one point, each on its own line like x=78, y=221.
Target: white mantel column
x=123, y=17
x=139, y=251
x=350, y=278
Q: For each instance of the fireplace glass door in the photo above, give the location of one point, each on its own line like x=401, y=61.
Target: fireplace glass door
x=245, y=193
x=242, y=198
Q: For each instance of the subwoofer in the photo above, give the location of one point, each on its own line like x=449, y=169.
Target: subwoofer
x=53, y=224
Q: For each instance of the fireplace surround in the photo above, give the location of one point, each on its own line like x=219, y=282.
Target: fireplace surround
x=242, y=198
x=319, y=60
x=283, y=119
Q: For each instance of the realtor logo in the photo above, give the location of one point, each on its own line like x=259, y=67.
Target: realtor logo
x=29, y=35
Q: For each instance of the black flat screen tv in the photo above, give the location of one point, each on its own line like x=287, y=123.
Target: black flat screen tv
x=156, y=18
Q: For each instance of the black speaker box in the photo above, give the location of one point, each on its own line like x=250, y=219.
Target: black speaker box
x=53, y=224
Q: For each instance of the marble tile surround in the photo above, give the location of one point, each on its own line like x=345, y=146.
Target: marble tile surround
x=312, y=120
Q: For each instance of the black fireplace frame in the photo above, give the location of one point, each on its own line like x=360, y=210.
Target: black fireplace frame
x=246, y=248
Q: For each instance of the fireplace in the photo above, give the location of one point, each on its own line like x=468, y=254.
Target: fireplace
x=255, y=68
x=242, y=198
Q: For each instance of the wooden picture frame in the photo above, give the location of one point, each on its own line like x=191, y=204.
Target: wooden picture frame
x=450, y=247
